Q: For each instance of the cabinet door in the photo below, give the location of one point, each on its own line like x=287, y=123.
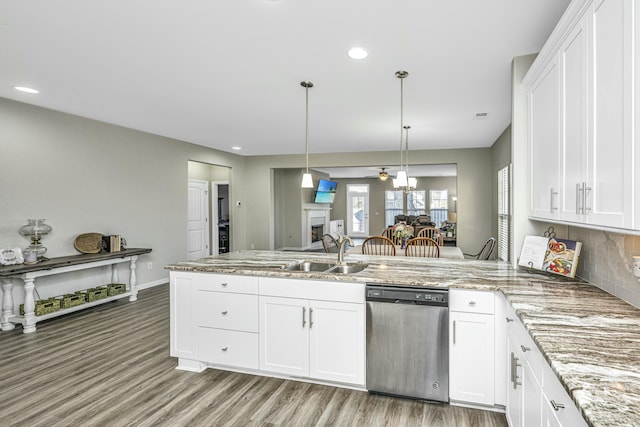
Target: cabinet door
x=531, y=396
x=337, y=341
x=609, y=195
x=573, y=57
x=471, y=357
x=543, y=143
x=284, y=335
x=183, y=325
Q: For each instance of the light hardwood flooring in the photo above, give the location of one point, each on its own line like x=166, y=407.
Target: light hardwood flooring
x=110, y=366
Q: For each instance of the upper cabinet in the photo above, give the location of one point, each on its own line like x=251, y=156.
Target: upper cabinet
x=582, y=95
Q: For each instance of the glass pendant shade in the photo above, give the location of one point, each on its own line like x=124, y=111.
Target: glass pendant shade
x=401, y=179
x=307, y=181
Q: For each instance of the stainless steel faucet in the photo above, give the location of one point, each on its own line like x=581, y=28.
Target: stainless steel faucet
x=342, y=241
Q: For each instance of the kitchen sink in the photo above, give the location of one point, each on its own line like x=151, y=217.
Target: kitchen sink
x=326, y=267
x=347, y=269
x=310, y=266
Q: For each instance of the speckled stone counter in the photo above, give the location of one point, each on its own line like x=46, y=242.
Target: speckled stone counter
x=590, y=338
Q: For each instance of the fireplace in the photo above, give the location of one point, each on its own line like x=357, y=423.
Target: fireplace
x=317, y=231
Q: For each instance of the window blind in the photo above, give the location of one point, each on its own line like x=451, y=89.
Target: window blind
x=504, y=213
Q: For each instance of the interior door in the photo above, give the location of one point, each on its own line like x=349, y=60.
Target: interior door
x=197, y=219
x=358, y=210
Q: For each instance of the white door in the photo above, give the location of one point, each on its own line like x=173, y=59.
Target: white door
x=358, y=210
x=197, y=219
x=337, y=341
x=284, y=335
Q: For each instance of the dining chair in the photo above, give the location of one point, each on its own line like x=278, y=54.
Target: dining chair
x=486, y=250
x=432, y=233
x=329, y=244
x=378, y=245
x=388, y=233
x=422, y=247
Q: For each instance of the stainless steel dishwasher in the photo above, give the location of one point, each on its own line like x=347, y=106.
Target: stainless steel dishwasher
x=408, y=341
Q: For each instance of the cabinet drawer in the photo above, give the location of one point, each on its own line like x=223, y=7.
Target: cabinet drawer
x=525, y=343
x=228, y=283
x=568, y=415
x=223, y=310
x=471, y=301
x=230, y=348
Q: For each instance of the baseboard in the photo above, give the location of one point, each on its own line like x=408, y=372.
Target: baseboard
x=148, y=285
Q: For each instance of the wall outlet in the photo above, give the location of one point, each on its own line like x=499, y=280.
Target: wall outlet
x=149, y=266
x=253, y=246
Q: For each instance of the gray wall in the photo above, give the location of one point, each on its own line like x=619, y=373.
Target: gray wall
x=87, y=176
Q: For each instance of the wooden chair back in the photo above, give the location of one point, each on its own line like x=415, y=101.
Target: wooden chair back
x=388, y=233
x=329, y=244
x=432, y=233
x=378, y=245
x=422, y=247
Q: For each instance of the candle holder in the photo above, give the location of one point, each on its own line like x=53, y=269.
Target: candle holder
x=35, y=230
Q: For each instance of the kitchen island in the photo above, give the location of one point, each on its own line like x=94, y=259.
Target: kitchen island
x=590, y=338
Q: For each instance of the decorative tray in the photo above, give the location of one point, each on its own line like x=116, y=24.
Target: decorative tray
x=88, y=243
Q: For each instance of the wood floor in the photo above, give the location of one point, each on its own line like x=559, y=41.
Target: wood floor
x=110, y=366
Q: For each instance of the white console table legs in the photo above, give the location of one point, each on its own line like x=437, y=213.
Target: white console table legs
x=7, y=305
x=133, y=280
x=29, y=320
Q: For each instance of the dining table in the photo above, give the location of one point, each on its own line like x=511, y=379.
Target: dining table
x=451, y=252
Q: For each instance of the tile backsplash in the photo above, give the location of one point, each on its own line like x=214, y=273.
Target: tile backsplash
x=606, y=262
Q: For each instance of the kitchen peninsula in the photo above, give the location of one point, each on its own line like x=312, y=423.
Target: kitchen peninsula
x=589, y=338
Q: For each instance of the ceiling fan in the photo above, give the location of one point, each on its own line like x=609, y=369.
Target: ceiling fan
x=382, y=175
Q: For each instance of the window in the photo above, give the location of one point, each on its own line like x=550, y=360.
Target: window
x=439, y=206
x=395, y=202
x=504, y=214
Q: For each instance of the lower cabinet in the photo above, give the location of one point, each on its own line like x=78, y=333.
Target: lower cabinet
x=309, y=338
x=535, y=396
x=471, y=347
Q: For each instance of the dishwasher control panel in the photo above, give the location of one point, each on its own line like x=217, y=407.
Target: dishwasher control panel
x=407, y=294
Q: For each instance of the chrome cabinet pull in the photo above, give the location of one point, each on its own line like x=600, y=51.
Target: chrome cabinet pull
x=578, y=191
x=225, y=348
x=524, y=349
x=556, y=406
x=509, y=319
x=585, y=191
x=224, y=284
x=304, y=320
x=553, y=194
x=454, y=331
x=310, y=318
x=472, y=303
x=224, y=313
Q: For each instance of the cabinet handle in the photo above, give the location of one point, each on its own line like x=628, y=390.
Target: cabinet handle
x=454, y=331
x=472, y=303
x=556, y=406
x=509, y=319
x=310, y=318
x=224, y=284
x=585, y=191
x=514, y=371
x=524, y=349
x=578, y=198
x=224, y=313
x=304, y=320
x=225, y=348
x=553, y=194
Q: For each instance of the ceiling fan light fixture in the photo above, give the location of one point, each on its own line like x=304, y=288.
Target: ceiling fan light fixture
x=383, y=175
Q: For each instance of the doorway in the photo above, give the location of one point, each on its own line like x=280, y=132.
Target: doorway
x=208, y=214
x=358, y=210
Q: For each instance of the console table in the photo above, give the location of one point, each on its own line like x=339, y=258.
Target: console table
x=29, y=272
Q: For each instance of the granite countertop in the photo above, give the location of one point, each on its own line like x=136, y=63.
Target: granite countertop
x=590, y=338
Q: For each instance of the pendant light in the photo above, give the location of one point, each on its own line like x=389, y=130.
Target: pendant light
x=307, y=181
x=411, y=182
x=401, y=178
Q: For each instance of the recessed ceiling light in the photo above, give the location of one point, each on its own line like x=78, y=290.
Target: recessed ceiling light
x=26, y=89
x=357, y=53
x=236, y=148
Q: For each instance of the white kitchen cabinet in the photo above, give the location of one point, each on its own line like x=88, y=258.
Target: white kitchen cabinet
x=471, y=347
x=543, y=99
x=581, y=102
x=313, y=329
x=183, y=287
x=532, y=385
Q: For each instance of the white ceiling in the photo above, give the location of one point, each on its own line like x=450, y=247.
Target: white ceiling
x=223, y=73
